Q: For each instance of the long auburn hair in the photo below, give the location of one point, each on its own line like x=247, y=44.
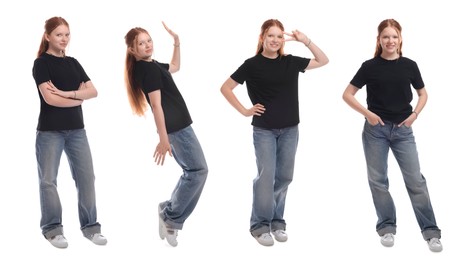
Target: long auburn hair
x=264, y=29
x=50, y=25
x=136, y=97
x=384, y=24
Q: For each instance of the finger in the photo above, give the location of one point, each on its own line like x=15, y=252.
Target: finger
x=157, y=159
x=163, y=160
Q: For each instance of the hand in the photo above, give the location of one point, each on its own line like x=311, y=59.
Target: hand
x=373, y=119
x=173, y=34
x=408, y=121
x=256, y=110
x=296, y=35
x=160, y=152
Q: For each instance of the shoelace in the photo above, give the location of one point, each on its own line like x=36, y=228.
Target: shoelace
x=387, y=236
x=266, y=235
x=434, y=242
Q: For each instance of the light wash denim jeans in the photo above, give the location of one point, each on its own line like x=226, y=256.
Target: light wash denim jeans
x=377, y=140
x=49, y=148
x=188, y=153
x=275, y=157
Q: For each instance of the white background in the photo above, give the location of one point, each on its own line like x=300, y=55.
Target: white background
x=329, y=208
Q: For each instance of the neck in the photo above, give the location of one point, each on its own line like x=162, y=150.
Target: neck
x=55, y=53
x=270, y=55
x=390, y=56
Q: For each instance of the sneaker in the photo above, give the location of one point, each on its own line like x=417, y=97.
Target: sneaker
x=280, y=235
x=387, y=240
x=165, y=232
x=58, y=241
x=265, y=239
x=98, y=239
x=435, y=245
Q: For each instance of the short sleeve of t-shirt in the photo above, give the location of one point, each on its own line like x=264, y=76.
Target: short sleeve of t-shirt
x=151, y=76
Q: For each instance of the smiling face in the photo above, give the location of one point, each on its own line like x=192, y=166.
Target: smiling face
x=144, y=47
x=390, y=41
x=273, y=40
x=58, y=39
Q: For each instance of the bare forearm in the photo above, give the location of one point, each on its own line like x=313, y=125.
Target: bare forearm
x=175, y=63
x=421, y=102
x=58, y=101
x=233, y=100
x=320, y=57
x=159, y=119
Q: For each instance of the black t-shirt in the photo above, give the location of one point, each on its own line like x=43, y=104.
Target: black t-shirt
x=274, y=84
x=66, y=74
x=389, y=86
x=152, y=76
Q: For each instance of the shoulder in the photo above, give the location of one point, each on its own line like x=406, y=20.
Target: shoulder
x=146, y=67
x=252, y=62
x=407, y=60
x=371, y=61
x=159, y=65
x=292, y=57
x=254, y=58
x=40, y=60
x=143, y=65
x=73, y=60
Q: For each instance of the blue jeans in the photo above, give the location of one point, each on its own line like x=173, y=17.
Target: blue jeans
x=275, y=157
x=49, y=148
x=188, y=153
x=377, y=140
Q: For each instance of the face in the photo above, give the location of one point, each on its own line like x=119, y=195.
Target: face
x=390, y=42
x=58, y=39
x=144, y=47
x=273, y=39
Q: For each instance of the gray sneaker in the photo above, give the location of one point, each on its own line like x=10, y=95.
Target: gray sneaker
x=435, y=245
x=98, y=239
x=165, y=232
x=387, y=240
x=58, y=241
x=280, y=235
x=265, y=239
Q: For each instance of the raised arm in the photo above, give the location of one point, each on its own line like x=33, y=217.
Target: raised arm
x=320, y=58
x=176, y=58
